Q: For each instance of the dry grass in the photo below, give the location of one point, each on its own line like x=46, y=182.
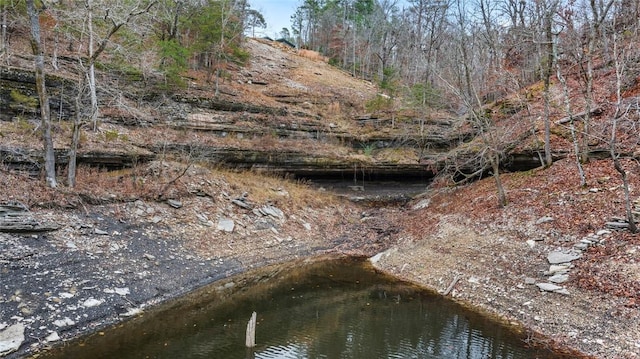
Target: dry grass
x=312, y=55
x=271, y=188
x=160, y=180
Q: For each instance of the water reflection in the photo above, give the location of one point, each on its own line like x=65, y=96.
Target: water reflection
x=330, y=310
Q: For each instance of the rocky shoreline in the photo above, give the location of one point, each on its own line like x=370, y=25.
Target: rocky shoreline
x=110, y=262
x=97, y=270
x=71, y=272
x=90, y=267
x=91, y=274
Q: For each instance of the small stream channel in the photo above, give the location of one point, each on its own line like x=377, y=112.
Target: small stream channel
x=330, y=309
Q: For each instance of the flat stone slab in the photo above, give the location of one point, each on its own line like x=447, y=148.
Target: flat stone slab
x=617, y=225
x=558, y=268
x=272, y=211
x=562, y=257
x=548, y=287
x=559, y=278
x=174, y=203
x=15, y=217
x=241, y=204
x=11, y=338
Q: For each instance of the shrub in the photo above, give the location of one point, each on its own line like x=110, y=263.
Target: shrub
x=378, y=103
x=367, y=149
x=424, y=95
x=241, y=55
x=111, y=135
x=24, y=100
x=174, y=61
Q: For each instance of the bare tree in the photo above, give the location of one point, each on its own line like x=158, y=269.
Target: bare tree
x=599, y=11
x=45, y=111
x=492, y=142
x=583, y=22
x=572, y=127
x=115, y=22
x=548, y=10
x=77, y=126
x=618, y=57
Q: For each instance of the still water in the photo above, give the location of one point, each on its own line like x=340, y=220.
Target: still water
x=335, y=309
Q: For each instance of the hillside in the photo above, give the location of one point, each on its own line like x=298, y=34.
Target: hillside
x=164, y=186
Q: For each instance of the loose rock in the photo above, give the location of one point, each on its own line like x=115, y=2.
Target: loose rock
x=562, y=257
x=545, y=219
x=272, y=211
x=174, y=203
x=241, y=203
x=53, y=337
x=11, y=338
x=100, y=232
x=548, y=287
x=66, y=321
x=149, y=257
x=226, y=225
x=559, y=278
x=424, y=203
x=91, y=302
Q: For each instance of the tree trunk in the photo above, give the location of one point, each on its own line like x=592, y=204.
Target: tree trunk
x=548, y=159
x=623, y=174
x=45, y=112
x=633, y=228
x=92, y=68
x=94, y=96
x=75, y=136
x=3, y=40
x=495, y=167
x=588, y=100
x=619, y=66
x=572, y=127
x=547, y=71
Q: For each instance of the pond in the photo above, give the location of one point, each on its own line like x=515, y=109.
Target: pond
x=333, y=309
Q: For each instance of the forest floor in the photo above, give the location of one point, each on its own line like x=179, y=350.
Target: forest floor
x=128, y=240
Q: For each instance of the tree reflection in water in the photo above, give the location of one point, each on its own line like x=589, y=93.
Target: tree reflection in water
x=336, y=309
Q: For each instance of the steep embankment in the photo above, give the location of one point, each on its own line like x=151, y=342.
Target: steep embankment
x=283, y=113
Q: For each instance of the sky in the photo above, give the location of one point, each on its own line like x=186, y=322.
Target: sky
x=277, y=14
